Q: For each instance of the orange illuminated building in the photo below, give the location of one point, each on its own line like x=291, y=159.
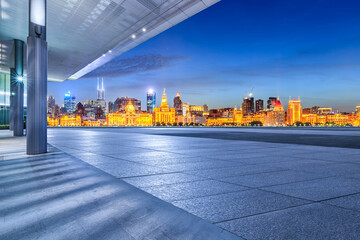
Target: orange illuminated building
x=337, y=119
x=276, y=117
x=310, y=118
x=257, y=117
x=221, y=121
x=70, y=121
x=237, y=116
x=90, y=123
x=130, y=117
x=164, y=114
x=52, y=122
x=294, y=111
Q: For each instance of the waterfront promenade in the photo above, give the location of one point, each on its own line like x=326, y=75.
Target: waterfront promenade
x=257, y=183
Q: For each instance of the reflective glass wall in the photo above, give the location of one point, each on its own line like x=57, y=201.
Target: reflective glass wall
x=4, y=98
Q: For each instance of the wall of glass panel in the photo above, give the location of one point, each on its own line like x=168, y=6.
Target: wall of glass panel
x=4, y=98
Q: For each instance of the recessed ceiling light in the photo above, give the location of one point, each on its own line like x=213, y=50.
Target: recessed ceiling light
x=143, y=29
x=110, y=51
x=104, y=55
x=133, y=36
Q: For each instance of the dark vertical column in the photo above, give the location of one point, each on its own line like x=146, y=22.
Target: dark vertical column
x=17, y=90
x=37, y=62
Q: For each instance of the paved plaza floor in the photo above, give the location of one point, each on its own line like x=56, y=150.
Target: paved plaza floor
x=257, y=183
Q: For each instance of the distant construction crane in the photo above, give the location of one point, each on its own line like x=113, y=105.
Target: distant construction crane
x=251, y=92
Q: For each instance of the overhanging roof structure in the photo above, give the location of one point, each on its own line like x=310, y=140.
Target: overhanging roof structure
x=85, y=34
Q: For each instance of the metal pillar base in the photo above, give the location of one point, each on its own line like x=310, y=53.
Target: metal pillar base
x=36, y=122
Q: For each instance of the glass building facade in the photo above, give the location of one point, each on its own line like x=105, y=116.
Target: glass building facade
x=4, y=98
x=151, y=100
x=69, y=102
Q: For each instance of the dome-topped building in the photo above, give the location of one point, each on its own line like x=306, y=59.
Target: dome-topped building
x=130, y=108
x=129, y=117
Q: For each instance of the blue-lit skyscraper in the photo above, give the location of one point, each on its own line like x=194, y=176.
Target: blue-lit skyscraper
x=100, y=90
x=151, y=100
x=69, y=102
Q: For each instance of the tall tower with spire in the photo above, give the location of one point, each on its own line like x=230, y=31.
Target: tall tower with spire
x=100, y=91
x=164, y=100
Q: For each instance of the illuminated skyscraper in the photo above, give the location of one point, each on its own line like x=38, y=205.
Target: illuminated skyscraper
x=69, y=102
x=259, y=105
x=248, y=105
x=50, y=103
x=178, y=104
x=271, y=103
x=294, y=111
x=151, y=100
x=100, y=91
x=358, y=109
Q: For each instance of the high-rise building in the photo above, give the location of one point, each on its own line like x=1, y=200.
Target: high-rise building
x=358, y=109
x=259, y=105
x=248, y=105
x=50, y=103
x=271, y=103
x=91, y=107
x=110, y=107
x=178, y=105
x=69, y=102
x=100, y=90
x=294, y=112
x=151, y=100
x=206, y=108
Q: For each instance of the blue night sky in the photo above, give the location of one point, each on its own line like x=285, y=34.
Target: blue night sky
x=306, y=48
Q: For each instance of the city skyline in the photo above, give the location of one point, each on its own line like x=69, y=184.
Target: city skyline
x=285, y=48
x=144, y=101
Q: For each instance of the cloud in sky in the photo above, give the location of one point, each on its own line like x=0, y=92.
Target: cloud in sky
x=135, y=64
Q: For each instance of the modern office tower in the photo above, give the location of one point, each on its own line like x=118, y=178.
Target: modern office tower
x=178, y=105
x=271, y=103
x=69, y=102
x=357, y=109
x=294, y=111
x=151, y=100
x=91, y=107
x=206, y=108
x=110, y=107
x=50, y=103
x=100, y=90
x=259, y=105
x=56, y=110
x=324, y=110
x=248, y=105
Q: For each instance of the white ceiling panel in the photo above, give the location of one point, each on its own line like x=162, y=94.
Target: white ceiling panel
x=81, y=33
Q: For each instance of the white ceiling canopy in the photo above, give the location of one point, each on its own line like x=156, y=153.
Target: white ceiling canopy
x=82, y=35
